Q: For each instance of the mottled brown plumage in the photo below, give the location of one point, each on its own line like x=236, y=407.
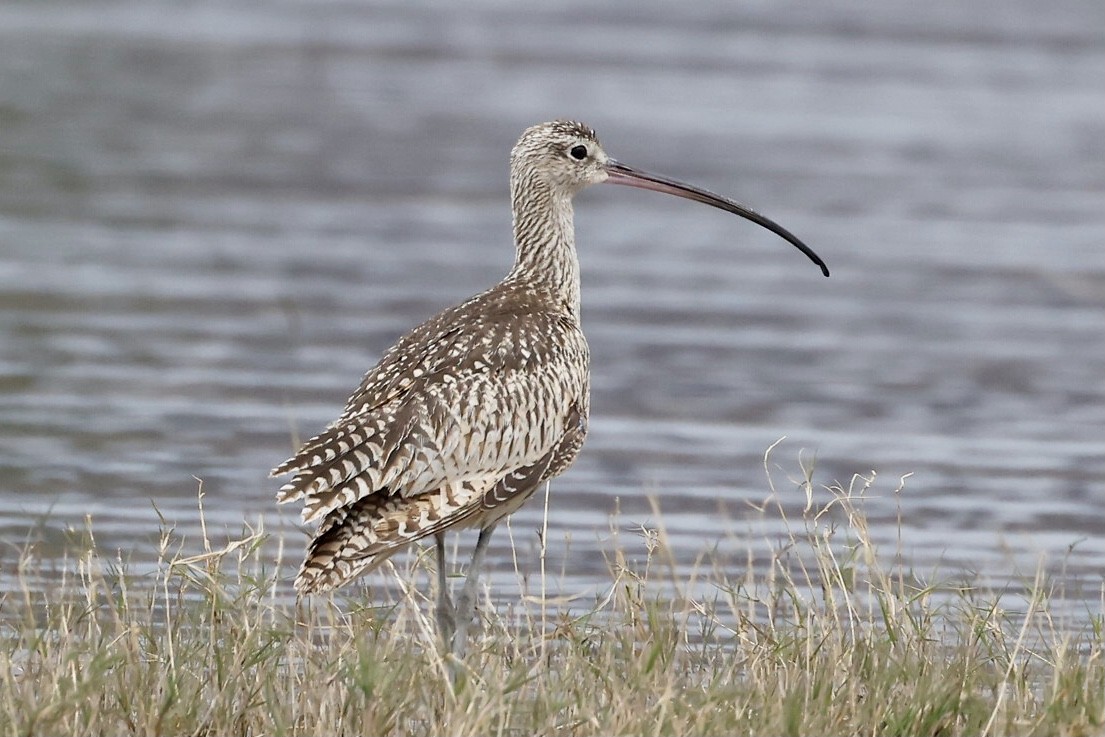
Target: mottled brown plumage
x=431, y=440
x=467, y=414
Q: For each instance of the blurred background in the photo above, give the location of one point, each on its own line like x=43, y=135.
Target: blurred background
x=214, y=216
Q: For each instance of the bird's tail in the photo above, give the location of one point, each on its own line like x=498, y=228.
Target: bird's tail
x=358, y=538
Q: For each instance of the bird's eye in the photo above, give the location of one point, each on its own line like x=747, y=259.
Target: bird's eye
x=579, y=152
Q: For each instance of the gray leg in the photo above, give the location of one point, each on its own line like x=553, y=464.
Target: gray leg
x=446, y=613
x=466, y=602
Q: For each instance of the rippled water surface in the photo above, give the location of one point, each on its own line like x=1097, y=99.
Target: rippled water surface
x=215, y=216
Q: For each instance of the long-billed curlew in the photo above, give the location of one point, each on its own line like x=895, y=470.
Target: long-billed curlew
x=464, y=418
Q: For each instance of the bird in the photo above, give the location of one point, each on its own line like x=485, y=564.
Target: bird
x=469, y=413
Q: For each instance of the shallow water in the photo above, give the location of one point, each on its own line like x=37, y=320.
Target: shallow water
x=215, y=216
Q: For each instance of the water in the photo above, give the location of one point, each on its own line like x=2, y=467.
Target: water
x=215, y=216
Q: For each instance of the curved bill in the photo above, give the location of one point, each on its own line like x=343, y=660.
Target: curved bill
x=621, y=174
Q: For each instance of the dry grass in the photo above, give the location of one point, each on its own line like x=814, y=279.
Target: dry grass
x=824, y=639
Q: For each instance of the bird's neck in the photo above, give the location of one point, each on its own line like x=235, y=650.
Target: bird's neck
x=544, y=241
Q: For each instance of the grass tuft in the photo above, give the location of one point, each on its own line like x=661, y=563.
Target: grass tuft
x=826, y=637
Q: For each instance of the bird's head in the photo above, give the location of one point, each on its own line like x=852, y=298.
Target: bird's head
x=563, y=154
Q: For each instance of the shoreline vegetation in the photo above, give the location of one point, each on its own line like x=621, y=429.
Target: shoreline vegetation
x=828, y=638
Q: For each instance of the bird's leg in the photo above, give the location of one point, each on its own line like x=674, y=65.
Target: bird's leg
x=446, y=612
x=467, y=600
